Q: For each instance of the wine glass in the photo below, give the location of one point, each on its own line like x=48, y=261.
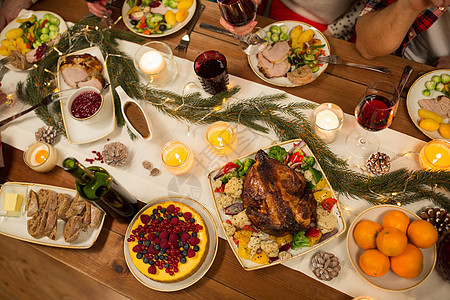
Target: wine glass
x=374, y=113
x=239, y=13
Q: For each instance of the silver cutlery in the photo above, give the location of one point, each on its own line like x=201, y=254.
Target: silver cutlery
x=185, y=40
x=215, y=29
x=336, y=60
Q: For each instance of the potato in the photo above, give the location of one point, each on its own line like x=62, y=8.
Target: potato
x=305, y=36
x=184, y=4
x=429, y=124
x=295, y=32
x=6, y=43
x=315, y=42
x=4, y=51
x=444, y=130
x=181, y=15
x=426, y=114
x=14, y=33
x=170, y=17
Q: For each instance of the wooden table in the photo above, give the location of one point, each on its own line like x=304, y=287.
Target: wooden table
x=100, y=272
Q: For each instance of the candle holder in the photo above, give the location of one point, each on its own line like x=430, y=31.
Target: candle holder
x=221, y=138
x=40, y=157
x=435, y=156
x=177, y=158
x=155, y=63
x=328, y=120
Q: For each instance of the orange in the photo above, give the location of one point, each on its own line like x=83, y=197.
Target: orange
x=365, y=234
x=396, y=219
x=422, y=234
x=391, y=241
x=409, y=264
x=374, y=263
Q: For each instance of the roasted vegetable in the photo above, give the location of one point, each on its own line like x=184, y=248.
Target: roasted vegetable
x=300, y=240
x=278, y=153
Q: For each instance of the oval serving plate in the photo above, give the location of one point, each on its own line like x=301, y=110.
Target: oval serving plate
x=17, y=227
x=204, y=267
x=175, y=28
x=248, y=264
x=13, y=24
x=415, y=94
x=390, y=281
x=283, y=81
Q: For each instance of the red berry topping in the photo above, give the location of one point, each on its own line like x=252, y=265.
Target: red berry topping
x=157, y=241
x=164, y=243
x=187, y=216
x=170, y=209
x=174, y=221
x=164, y=234
x=173, y=237
x=151, y=236
x=145, y=219
x=191, y=253
x=137, y=248
x=185, y=236
x=194, y=241
x=159, y=207
x=152, y=269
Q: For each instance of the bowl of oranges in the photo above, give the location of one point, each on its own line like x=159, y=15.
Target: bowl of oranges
x=392, y=248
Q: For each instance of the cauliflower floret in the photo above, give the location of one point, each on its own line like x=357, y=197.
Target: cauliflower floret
x=233, y=188
x=225, y=201
x=229, y=229
x=309, y=176
x=284, y=255
x=217, y=184
x=326, y=221
x=270, y=247
x=254, y=245
x=240, y=220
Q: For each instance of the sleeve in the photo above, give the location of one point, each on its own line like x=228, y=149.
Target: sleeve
x=344, y=27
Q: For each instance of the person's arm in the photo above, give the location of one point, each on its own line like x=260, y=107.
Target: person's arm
x=11, y=8
x=382, y=32
x=242, y=30
x=98, y=8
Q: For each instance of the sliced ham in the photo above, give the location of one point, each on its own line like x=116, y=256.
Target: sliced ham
x=271, y=70
x=31, y=204
x=159, y=10
x=277, y=52
x=95, y=81
x=83, y=69
x=440, y=105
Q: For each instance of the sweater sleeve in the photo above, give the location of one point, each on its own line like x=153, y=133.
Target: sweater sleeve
x=344, y=27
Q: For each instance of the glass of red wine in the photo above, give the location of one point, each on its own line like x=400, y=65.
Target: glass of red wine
x=240, y=13
x=374, y=113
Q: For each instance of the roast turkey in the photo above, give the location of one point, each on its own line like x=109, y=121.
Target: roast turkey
x=82, y=70
x=275, y=197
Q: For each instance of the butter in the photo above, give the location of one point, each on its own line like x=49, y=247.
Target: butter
x=13, y=202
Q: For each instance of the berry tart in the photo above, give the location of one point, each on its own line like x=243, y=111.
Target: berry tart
x=168, y=242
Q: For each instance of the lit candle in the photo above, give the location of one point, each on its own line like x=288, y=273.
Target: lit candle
x=152, y=62
x=435, y=155
x=40, y=157
x=221, y=138
x=328, y=119
x=178, y=158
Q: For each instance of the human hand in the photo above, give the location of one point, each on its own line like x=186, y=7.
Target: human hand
x=98, y=8
x=443, y=62
x=241, y=30
x=10, y=9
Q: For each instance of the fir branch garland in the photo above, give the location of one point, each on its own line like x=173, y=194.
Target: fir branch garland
x=259, y=113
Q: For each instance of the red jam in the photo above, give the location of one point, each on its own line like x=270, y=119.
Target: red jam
x=85, y=104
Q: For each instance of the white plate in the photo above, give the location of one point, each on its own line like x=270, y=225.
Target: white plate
x=175, y=28
x=212, y=248
x=415, y=94
x=17, y=227
x=248, y=264
x=79, y=132
x=390, y=281
x=283, y=81
x=39, y=15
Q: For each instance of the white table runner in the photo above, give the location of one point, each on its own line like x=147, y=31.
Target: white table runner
x=20, y=133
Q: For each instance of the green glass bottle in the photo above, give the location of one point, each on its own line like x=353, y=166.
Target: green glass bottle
x=96, y=184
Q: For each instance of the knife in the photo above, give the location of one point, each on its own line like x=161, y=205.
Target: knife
x=215, y=29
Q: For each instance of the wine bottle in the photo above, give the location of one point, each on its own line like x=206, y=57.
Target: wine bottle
x=96, y=184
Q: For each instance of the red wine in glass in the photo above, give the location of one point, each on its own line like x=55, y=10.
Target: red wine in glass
x=237, y=12
x=375, y=112
x=211, y=69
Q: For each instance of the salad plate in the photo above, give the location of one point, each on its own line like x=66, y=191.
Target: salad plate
x=390, y=281
x=200, y=271
x=323, y=194
x=162, y=8
x=79, y=132
x=415, y=94
x=290, y=25
x=16, y=227
x=39, y=16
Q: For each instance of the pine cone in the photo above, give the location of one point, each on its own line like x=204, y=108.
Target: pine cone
x=378, y=163
x=115, y=154
x=46, y=134
x=438, y=217
x=325, y=265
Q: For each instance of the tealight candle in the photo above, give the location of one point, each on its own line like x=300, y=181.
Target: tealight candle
x=328, y=120
x=435, y=155
x=221, y=138
x=40, y=157
x=178, y=158
x=152, y=62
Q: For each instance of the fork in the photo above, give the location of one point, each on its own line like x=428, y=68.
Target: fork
x=336, y=60
x=185, y=40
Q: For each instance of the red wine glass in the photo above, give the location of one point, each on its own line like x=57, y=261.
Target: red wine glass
x=240, y=13
x=374, y=113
